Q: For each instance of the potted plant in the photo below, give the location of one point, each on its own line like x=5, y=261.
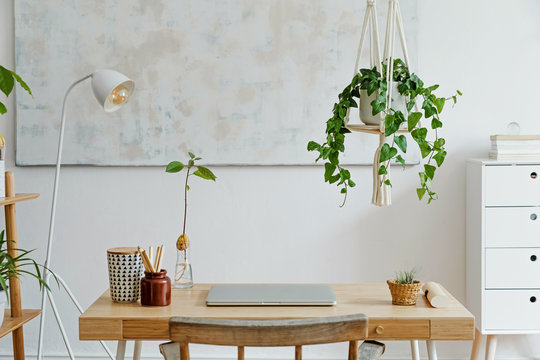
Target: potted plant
x=413, y=90
x=7, y=83
x=183, y=277
x=404, y=288
x=13, y=267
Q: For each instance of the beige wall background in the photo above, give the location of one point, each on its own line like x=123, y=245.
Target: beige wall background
x=264, y=224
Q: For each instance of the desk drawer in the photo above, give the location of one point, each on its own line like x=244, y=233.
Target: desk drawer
x=512, y=309
x=508, y=268
x=398, y=329
x=513, y=227
x=517, y=185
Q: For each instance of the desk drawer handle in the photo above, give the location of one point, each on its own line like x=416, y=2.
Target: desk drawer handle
x=379, y=330
x=533, y=217
x=533, y=257
x=534, y=175
x=533, y=299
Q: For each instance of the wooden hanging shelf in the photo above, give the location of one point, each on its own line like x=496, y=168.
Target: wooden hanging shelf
x=13, y=323
x=370, y=129
x=18, y=197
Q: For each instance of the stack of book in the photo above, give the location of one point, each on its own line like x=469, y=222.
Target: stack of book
x=515, y=147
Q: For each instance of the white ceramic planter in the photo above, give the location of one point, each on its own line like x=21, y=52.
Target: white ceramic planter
x=3, y=301
x=2, y=178
x=398, y=103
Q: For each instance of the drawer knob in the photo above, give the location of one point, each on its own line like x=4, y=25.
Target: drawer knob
x=533, y=257
x=533, y=217
x=534, y=175
x=533, y=299
x=379, y=330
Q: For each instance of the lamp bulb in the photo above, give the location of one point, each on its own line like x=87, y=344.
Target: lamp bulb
x=119, y=95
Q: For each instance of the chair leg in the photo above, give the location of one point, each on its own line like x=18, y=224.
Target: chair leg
x=184, y=351
x=415, y=352
x=353, y=350
x=121, y=350
x=298, y=352
x=477, y=344
x=240, y=353
x=491, y=346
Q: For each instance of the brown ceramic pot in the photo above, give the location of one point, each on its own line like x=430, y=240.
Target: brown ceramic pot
x=156, y=289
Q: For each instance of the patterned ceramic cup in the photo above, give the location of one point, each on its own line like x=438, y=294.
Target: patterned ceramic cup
x=125, y=272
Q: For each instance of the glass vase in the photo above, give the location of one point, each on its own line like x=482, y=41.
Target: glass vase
x=183, y=276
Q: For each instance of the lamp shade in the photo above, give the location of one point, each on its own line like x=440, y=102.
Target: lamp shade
x=111, y=88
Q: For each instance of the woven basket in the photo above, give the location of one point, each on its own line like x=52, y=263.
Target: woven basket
x=404, y=294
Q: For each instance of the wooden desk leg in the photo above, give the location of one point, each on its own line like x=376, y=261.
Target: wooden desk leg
x=415, y=352
x=353, y=350
x=477, y=344
x=121, y=350
x=137, y=350
x=491, y=346
x=431, y=350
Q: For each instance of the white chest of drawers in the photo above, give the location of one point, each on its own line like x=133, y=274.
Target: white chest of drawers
x=503, y=247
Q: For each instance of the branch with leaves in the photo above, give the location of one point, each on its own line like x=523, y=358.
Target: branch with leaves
x=7, y=83
x=412, y=88
x=12, y=267
x=203, y=173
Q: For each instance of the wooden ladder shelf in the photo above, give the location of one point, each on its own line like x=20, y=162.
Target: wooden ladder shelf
x=15, y=317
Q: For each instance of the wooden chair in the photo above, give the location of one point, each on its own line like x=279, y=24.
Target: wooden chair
x=241, y=333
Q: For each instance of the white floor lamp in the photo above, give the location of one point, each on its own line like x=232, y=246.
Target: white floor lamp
x=112, y=90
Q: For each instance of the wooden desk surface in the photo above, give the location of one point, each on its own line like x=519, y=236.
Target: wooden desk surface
x=105, y=320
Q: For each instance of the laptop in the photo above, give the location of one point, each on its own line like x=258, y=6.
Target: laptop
x=271, y=295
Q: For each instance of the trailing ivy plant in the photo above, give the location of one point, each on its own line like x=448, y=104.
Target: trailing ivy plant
x=412, y=88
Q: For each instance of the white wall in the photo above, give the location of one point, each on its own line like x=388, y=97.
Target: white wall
x=268, y=224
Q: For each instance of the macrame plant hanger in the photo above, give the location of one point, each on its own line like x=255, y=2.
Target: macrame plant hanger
x=381, y=191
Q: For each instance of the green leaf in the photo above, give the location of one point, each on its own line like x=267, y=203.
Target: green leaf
x=334, y=157
x=334, y=178
x=439, y=104
x=420, y=192
x=425, y=149
x=430, y=171
x=459, y=93
x=351, y=183
x=190, y=163
x=198, y=158
x=413, y=119
x=387, y=153
x=21, y=82
x=436, y=123
x=187, y=187
x=382, y=170
x=401, y=142
x=401, y=160
x=387, y=182
x=422, y=179
x=329, y=171
x=205, y=173
x=6, y=81
x=344, y=190
x=433, y=87
x=191, y=155
x=439, y=157
x=390, y=125
x=419, y=135
x=3, y=109
x=174, y=167
x=312, y=145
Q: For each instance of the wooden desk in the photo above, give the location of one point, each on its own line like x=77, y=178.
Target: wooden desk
x=105, y=320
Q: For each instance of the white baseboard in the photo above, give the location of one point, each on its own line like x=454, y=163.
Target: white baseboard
x=129, y=357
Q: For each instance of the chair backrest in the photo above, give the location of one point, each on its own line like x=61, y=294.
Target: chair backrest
x=292, y=332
